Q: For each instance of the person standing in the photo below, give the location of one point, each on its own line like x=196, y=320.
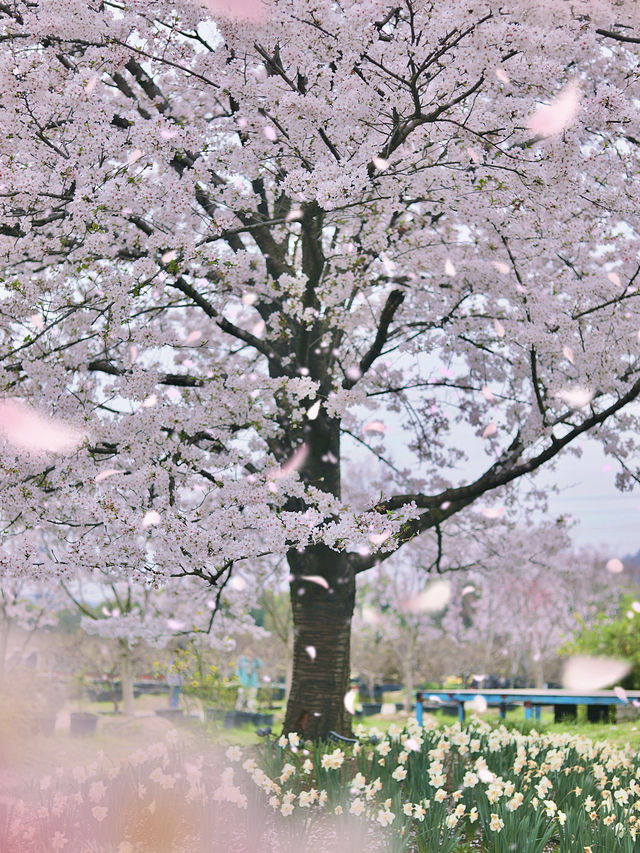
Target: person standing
x=419, y=708
x=247, y=671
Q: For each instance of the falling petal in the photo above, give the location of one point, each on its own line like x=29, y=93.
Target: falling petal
x=576, y=398
x=567, y=352
x=478, y=704
x=151, y=517
x=380, y=163
x=492, y=512
x=445, y=505
x=314, y=411
x=237, y=583
x=499, y=328
x=311, y=651
x=449, y=268
x=615, y=566
x=593, y=673
x=488, y=394
x=374, y=426
x=37, y=321
x=502, y=76
x=473, y=154
x=294, y=463
x=133, y=353
x=169, y=256
x=270, y=133
x=485, y=775
x=502, y=267
x=433, y=599
x=379, y=538
x=350, y=701
x=175, y=625
x=26, y=429
x=317, y=579
x=489, y=430
x=259, y=328
x=412, y=745
x=558, y=115
x=192, y=337
x=636, y=606
x=103, y=475
x=294, y=215
x=134, y=156
x=614, y=278
x=468, y=590
x=353, y=373
x=91, y=85
x=621, y=694
x=248, y=298
x=150, y=401
x=372, y=617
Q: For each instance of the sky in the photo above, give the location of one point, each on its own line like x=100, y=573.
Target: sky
x=606, y=516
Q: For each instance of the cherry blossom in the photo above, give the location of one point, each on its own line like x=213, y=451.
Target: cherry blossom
x=166, y=161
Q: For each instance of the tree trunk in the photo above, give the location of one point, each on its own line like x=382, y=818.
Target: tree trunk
x=408, y=688
x=126, y=678
x=288, y=678
x=321, y=651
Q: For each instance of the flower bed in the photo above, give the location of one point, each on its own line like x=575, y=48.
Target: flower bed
x=432, y=789
x=456, y=789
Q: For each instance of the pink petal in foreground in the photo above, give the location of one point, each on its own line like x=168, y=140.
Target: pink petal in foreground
x=621, y=694
x=380, y=163
x=492, y=512
x=489, y=430
x=433, y=599
x=374, y=426
x=559, y=114
x=350, y=701
x=478, y=704
x=499, y=328
x=615, y=566
x=26, y=429
x=576, y=398
x=150, y=518
x=104, y=474
x=317, y=579
x=593, y=673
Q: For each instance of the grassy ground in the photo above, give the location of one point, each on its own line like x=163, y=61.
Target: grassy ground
x=26, y=755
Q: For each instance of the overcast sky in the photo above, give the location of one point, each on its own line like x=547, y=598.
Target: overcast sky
x=606, y=515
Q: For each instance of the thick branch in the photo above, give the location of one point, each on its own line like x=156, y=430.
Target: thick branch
x=503, y=472
x=394, y=301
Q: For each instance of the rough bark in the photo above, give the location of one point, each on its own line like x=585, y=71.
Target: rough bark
x=322, y=624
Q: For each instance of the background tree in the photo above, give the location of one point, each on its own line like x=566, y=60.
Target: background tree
x=233, y=253
x=512, y=619
x=613, y=633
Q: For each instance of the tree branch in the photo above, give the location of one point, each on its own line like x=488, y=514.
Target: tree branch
x=394, y=301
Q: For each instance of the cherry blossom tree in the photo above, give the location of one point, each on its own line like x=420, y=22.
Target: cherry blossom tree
x=514, y=618
x=135, y=616
x=234, y=251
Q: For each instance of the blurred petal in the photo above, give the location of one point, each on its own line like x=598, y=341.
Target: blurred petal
x=593, y=673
